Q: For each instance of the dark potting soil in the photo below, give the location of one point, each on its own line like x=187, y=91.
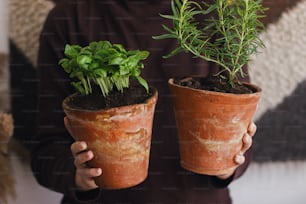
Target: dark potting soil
x=214, y=83
x=96, y=101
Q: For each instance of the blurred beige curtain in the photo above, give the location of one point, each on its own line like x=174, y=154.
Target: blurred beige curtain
x=4, y=58
x=26, y=20
x=280, y=67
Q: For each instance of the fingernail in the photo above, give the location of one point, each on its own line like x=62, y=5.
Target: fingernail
x=246, y=138
x=83, y=145
x=99, y=171
x=238, y=159
x=253, y=126
x=90, y=154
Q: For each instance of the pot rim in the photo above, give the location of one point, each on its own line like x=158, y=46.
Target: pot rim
x=256, y=88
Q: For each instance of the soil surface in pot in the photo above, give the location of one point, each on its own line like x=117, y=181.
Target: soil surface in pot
x=96, y=101
x=213, y=83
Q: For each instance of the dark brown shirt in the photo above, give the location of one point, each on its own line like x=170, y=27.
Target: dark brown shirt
x=131, y=23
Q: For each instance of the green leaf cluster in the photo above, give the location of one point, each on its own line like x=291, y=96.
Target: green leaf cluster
x=104, y=64
x=228, y=35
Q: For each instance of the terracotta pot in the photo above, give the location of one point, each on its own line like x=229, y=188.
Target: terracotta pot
x=211, y=126
x=120, y=139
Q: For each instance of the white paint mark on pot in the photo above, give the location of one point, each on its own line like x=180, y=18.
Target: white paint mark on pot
x=236, y=119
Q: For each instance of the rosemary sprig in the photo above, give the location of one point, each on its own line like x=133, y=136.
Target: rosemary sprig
x=228, y=36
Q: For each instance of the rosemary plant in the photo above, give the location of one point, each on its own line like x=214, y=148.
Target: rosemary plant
x=228, y=36
x=104, y=64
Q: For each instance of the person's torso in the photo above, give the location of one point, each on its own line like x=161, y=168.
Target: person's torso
x=133, y=24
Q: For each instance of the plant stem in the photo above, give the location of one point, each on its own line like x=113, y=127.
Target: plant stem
x=223, y=30
x=243, y=31
x=189, y=48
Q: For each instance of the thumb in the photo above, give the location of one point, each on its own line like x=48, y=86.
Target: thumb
x=67, y=125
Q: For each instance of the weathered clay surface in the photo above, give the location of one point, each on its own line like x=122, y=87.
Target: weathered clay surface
x=120, y=139
x=211, y=126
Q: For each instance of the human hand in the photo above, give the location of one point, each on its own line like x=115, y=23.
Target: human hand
x=84, y=175
x=246, y=144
